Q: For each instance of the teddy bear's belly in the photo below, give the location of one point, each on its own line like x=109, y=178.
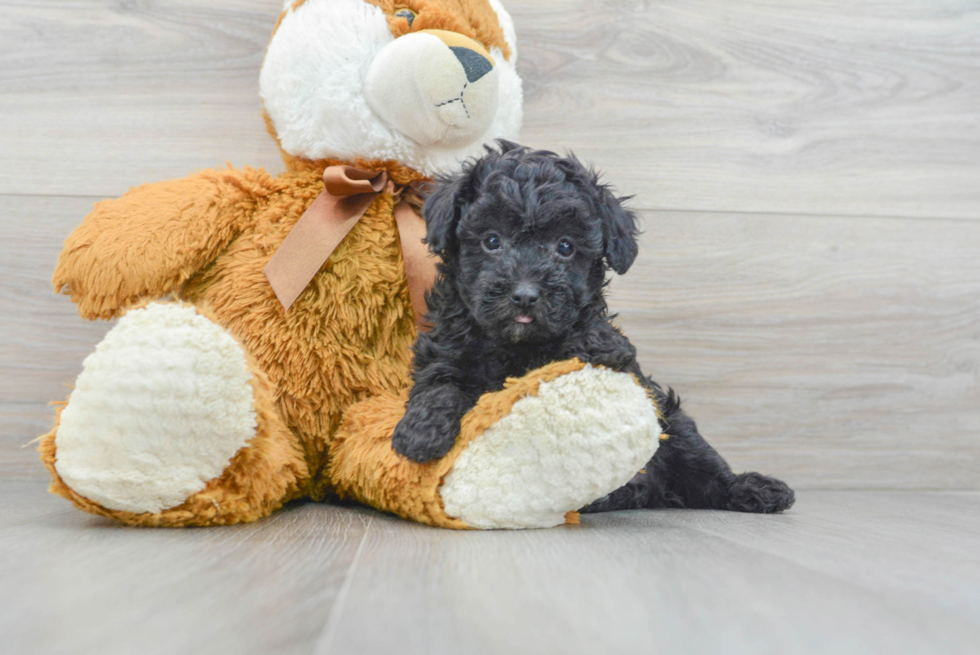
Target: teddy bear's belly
x=347, y=337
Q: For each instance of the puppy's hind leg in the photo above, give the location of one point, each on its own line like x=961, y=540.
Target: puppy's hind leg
x=687, y=472
x=695, y=472
x=647, y=489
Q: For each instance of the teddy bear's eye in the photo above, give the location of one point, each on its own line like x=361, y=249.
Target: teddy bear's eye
x=565, y=248
x=491, y=242
x=407, y=14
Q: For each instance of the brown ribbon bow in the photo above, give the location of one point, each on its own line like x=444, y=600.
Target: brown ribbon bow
x=348, y=194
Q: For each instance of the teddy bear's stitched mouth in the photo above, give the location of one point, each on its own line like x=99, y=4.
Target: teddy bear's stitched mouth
x=459, y=99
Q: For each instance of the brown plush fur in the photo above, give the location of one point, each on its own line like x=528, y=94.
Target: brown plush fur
x=366, y=468
x=207, y=239
x=473, y=18
x=259, y=479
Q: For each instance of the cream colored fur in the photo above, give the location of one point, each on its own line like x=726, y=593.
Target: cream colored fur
x=416, y=84
x=159, y=409
x=315, y=94
x=583, y=435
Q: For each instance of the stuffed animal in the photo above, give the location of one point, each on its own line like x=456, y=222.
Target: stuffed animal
x=263, y=344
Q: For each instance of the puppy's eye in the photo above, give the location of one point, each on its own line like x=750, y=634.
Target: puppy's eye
x=491, y=242
x=565, y=248
x=407, y=14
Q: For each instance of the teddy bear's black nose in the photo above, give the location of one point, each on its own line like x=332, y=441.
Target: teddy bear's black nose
x=475, y=64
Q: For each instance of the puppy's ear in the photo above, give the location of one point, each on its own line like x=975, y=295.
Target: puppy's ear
x=619, y=231
x=444, y=204
x=504, y=146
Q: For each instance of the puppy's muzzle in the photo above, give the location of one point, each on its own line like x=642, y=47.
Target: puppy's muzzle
x=439, y=88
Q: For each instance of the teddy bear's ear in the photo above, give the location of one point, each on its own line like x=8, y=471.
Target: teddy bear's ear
x=445, y=202
x=619, y=231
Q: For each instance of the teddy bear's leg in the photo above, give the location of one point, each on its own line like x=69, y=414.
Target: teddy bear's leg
x=172, y=424
x=527, y=456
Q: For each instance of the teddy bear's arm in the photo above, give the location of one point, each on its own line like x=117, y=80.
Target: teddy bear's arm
x=151, y=240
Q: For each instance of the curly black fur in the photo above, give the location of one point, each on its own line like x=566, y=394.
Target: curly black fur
x=526, y=239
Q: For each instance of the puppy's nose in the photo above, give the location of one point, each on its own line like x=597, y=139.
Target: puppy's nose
x=525, y=295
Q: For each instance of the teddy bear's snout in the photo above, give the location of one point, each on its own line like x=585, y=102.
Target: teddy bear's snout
x=434, y=86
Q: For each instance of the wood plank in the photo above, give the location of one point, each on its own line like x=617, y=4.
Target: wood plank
x=823, y=107
x=919, y=534
x=675, y=582
x=20, y=425
x=78, y=583
x=27, y=502
x=102, y=96
x=838, y=353
x=44, y=340
x=834, y=352
x=762, y=105
x=843, y=572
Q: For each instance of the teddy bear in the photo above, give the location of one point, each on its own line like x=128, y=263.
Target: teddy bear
x=262, y=347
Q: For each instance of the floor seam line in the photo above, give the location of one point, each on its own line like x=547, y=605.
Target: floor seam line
x=324, y=642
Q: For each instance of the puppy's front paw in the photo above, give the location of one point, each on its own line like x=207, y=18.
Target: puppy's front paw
x=423, y=435
x=604, y=347
x=761, y=494
x=617, y=360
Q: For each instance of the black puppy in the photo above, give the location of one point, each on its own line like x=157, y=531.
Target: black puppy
x=526, y=238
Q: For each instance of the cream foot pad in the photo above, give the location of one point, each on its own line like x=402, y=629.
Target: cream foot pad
x=159, y=409
x=583, y=435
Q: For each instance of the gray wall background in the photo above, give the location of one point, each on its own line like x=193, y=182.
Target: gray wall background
x=808, y=173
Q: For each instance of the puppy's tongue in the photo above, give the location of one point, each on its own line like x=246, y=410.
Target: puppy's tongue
x=522, y=318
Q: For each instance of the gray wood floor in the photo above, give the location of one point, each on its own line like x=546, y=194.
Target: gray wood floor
x=845, y=572
x=807, y=174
